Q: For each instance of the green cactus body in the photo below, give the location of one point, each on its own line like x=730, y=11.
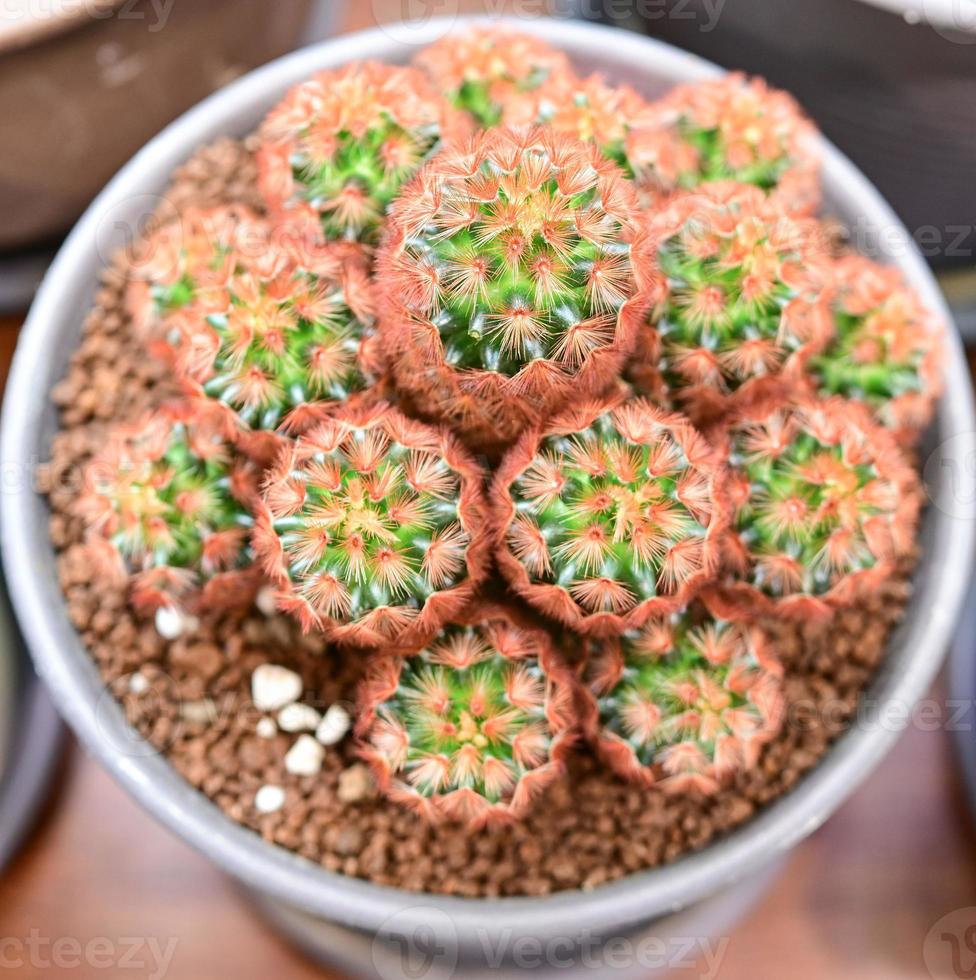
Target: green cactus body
x=338, y=149
x=731, y=129
x=886, y=351
x=367, y=522
x=689, y=704
x=485, y=70
x=276, y=343
x=822, y=501
x=168, y=499
x=609, y=520
x=743, y=296
x=474, y=724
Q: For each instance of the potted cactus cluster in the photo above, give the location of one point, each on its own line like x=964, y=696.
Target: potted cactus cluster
x=539, y=400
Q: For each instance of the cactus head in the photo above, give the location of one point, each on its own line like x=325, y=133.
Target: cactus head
x=174, y=505
x=336, y=151
x=484, y=69
x=373, y=527
x=276, y=342
x=733, y=128
x=886, y=351
x=742, y=296
x=472, y=726
x=508, y=279
x=682, y=703
x=611, y=514
x=824, y=506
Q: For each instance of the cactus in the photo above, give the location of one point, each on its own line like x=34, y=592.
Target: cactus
x=612, y=513
x=168, y=498
x=276, y=343
x=336, y=151
x=484, y=69
x=824, y=507
x=887, y=349
x=733, y=128
x=373, y=527
x=684, y=703
x=186, y=257
x=742, y=296
x=507, y=281
x=473, y=726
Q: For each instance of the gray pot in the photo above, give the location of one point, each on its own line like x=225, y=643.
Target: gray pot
x=473, y=927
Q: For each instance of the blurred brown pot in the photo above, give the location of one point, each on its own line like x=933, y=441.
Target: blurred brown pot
x=84, y=83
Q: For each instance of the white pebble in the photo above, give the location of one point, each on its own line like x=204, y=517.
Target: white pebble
x=199, y=712
x=172, y=623
x=138, y=683
x=334, y=725
x=298, y=718
x=273, y=687
x=265, y=601
x=269, y=799
x=266, y=728
x=305, y=757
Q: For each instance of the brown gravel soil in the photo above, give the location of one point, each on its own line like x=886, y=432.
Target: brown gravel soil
x=192, y=697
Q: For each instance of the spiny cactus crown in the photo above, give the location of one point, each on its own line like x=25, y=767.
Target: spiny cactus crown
x=366, y=512
x=274, y=337
x=515, y=247
x=744, y=288
x=814, y=499
x=733, y=128
x=484, y=69
x=615, y=513
x=469, y=713
x=886, y=345
x=691, y=700
x=340, y=146
x=170, y=500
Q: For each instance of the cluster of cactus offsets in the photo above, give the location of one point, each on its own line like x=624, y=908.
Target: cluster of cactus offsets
x=611, y=514
x=885, y=352
x=487, y=70
x=167, y=502
x=373, y=526
x=742, y=298
x=825, y=505
x=405, y=411
x=338, y=149
x=475, y=724
x=684, y=703
x=733, y=128
x=508, y=281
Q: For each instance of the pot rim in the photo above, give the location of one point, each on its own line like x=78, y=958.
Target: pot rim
x=71, y=675
x=939, y=14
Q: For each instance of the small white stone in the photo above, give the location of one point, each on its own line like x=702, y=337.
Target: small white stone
x=305, y=757
x=298, y=718
x=273, y=687
x=334, y=725
x=266, y=728
x=269, y=799
x=199, y=712
x=138, y=683
x=172, y=623
x=265, y=601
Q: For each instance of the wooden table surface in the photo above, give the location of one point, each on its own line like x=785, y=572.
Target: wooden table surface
x=857, y=899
